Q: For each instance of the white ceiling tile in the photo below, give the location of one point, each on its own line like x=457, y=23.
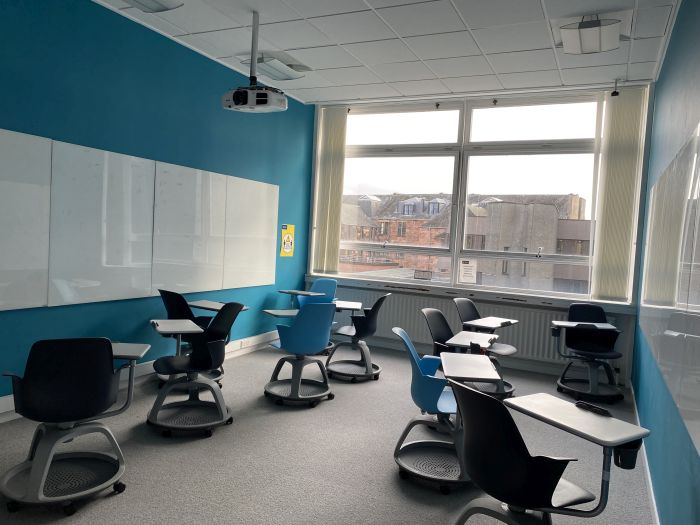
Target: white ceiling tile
x=153, y=21
x=404, y=71
x=348, y=76
x=242, y=10
x=478, y=13
x=117, y=4
x=196, y=16
x=311, y=8
x=348, y=92
x=225, y=43
x=519, y=37
x=540, y=60
x=444, y=45
x=652, y=21
x=295, y=34
x=420, y=87
x=646, y=49
x=381, y=51
x=530, y=79
x=422, y=19
x=311, y=79
x=460, y=66
x=325, y=57
x=564, y=8
x=467, y=84
x=353, y=27
x=593, y=75
x=616, y=56
x=641, y=71
x=652, y=3
x=389, y=3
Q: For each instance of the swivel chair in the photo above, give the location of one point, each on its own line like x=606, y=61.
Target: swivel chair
x=363, y=326
x=322, y=285
x=430, y=460
x=498, y=462
x=592, y=347
x=68, y=385
x=307, y=335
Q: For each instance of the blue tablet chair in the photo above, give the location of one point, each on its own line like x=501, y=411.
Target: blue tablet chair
x=307, y=335
x=436, y=461
x=323, y=285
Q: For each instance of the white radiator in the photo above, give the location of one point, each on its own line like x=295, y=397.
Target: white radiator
x=531, y=336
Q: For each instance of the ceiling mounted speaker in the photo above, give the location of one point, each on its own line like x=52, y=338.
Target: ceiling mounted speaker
x=155, y=6
x=591, y=36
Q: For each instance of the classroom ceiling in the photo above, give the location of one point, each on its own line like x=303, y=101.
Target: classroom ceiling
x=394, y=49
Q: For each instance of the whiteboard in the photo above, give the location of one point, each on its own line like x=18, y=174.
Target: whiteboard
x=189, y=225
x=25, y=178
x=101, y=225
x=251, y=233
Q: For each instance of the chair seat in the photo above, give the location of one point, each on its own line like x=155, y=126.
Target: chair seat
x=179, y=364
x=567, y=494
x=348, y=331
x=447, y=404
x=596, y=355
x=502, y=349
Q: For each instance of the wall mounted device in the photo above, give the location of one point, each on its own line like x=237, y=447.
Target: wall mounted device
x=591, y=36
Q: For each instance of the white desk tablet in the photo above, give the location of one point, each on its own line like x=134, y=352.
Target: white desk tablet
x=212, y=306
x=292, y=312
x=347, y=305
x=129, y=351
x=175, y=326
x=491, y=323
x=580, y=324
x=474, y=368
x=465, y=340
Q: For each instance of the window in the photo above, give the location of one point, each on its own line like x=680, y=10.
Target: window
x=415, y=127
x=383, y=228
x=401, y=229
x=504, y=263
x=408, y=209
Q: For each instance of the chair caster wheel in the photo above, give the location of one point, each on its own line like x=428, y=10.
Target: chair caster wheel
x=69, y=509
x=166, y=433
x=403, y=474
x=313, y=404
x=376, y=378
x=160, y=384
x=560, y=389
x=229, y=421
x=279, y=402
x=353, y=380
x=119, y=487
x=208, y=433
x=331, y=396
x=12, y=506
x=444, y=489
x=220, y=385
x=330, y=375
x=266, y=393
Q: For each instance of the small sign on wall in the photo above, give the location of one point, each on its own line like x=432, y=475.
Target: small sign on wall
x=467, y=271
x=287, y=248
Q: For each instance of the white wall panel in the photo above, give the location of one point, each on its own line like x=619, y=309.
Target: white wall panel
x=251, y=233
x=101, y=225
x=25, y=178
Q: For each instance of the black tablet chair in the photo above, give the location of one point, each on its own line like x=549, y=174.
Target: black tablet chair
x=363, y=326
x=440, y=330
x=177, y=308
x=468, y=312
x=307, y=335
x=208, y=353
x=593, y=348
x=498, y=462
x=68, y=385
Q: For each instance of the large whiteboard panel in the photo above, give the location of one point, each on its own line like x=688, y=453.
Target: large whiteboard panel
x=251, y=233
x=101, y=225
x=189, y=222
x=25, y=178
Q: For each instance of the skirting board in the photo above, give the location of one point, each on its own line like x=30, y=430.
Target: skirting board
x=236, y=348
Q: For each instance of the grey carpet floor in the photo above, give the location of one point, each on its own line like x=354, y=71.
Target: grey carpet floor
x=332, y=464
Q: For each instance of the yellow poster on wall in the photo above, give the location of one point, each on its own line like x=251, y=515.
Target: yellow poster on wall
x=287, y=248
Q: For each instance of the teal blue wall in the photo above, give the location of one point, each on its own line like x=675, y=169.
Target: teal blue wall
x=75, y=71
x=674, y=462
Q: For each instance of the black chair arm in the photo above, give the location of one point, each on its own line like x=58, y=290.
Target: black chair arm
x=548, y=472
x=441, y=347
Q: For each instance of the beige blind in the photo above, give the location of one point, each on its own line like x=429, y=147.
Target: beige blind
x=330, y=164
x=618, y=193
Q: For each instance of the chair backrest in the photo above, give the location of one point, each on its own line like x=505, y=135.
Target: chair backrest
x=207, y=355
x=440, y=330
x=425, y=389
x=220, y=326
x=495, y=455
x=310, y=330
x=466, y=309
x=176, y=305
x=587, y=340
x=67, y=380
x=322, y=285
x=366, y=326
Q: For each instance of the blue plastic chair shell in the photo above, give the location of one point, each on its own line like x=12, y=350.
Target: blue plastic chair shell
x=430, y=393
x=310, y=330
x=323, y=285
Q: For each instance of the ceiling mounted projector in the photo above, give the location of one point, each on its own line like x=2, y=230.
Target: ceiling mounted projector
x=254, y=98
x=591, y=36
x=154, y=6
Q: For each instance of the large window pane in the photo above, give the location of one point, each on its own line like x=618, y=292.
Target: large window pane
x=544, y=122
x=530, y=203
x=422, y=127
x=395, y=265
x=398, y=200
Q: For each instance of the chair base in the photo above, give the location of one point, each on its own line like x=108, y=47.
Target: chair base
x=297, y=390
x=50, y=477
x=488, y=506
x=353, y=370
x=193, y=414
x=502, y=390
x=590, y=388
